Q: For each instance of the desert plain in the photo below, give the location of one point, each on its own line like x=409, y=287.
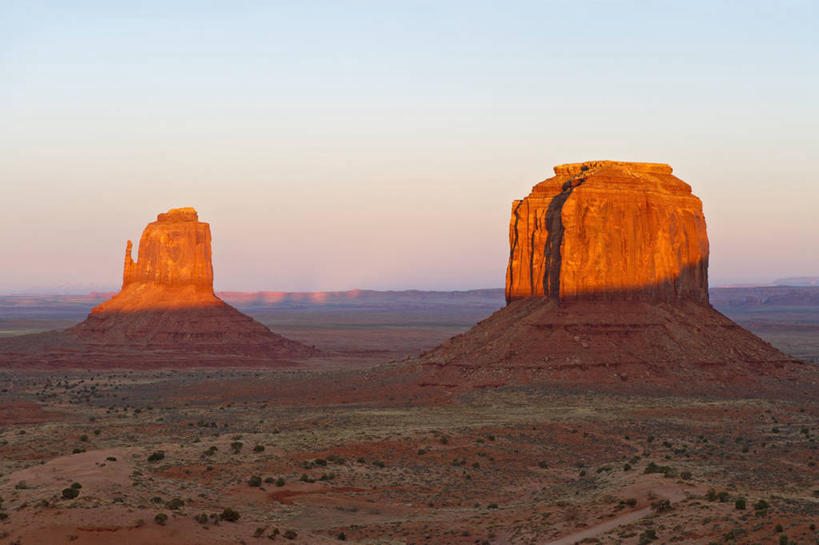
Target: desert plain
x=301, y=459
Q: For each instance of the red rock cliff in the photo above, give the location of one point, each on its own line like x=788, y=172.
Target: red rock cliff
x=173, y=251
x=609, y=229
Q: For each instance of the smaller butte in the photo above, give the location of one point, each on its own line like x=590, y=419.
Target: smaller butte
x=167, y=300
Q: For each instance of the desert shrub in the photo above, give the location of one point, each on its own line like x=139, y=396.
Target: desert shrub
x=778, y=528
x=492, y=506
x=201, y=518
x=361, y=460
x=443, y=440
x=236, y=446
x=740, y=503
x=255, y=480
x=161, y=519
x=627, y=467
x=259, y=532
x=631, y=502
x=421, y=452
x=279, y=482
x=175, y=504
x=661, y=506
x=76, y=485
x=157, y=456
x=259, y=448
x=685, y=475
x=211, y=451
x=783, y=540
x=269, y=480
x=341, y=536
x=229, y=515
x=157, y=499
x=112, y=459
x=647, y=537
x=21, y=485
x=723, y=496
x=542, y=465
x=70, y=493
x=334, y=458
x=668, y=471
x=4, y=516
x=378, y=463
x=760, y=505
x=290, y=534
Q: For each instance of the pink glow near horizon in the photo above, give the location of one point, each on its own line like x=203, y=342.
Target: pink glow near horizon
x=323, y=162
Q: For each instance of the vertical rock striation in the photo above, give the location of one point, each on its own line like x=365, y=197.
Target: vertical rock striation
x=607, y=284
x=609, y=230
x=167, y=300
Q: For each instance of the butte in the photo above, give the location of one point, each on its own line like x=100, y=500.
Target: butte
x=166, y=313
x=607, y=286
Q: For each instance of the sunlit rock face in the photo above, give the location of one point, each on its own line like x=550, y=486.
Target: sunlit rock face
x=173, y=251
x=609, y=230
x=167, y=299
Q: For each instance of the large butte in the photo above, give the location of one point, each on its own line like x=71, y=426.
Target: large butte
x=607, y=284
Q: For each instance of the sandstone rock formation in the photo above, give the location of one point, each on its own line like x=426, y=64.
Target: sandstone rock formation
x=167, y=300
x=609, y=229
x=606, y=284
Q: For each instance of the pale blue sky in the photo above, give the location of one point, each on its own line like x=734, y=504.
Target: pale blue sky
x=335, y=145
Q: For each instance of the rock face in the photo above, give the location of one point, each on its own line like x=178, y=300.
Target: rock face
x=173, y=251
x=607, y=285
x=167, y=300
x=608, y=229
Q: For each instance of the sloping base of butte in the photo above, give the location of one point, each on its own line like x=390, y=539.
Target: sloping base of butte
x=684, y=346
x=607, y=284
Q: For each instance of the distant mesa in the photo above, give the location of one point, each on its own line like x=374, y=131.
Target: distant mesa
x=167, y=298
x=166, y=313
x=607, y=283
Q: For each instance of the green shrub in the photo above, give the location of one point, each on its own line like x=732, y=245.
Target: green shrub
x=76, y=485
x=255, y=480
x=70, y=493
x=201, y=518
x=279, y=482
x=259, y=448
x=739, y=503
x=761, y=505
x=161, y=519
x=175, y=504
x=647, y=537
x=157, y=456
x=290, y=534
x=229, y=515
x=236, y=446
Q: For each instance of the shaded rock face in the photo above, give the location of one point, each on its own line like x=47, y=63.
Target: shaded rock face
x=609, y=230
x=607, y=287
x=167, y=300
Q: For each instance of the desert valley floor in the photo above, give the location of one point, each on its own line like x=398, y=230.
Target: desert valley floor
x=207, y=456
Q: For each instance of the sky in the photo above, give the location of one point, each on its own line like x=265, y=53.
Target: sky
x=342, y=144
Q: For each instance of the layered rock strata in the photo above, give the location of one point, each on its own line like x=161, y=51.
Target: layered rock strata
x=607, y=283
x=167, y=299
x=608, y=229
